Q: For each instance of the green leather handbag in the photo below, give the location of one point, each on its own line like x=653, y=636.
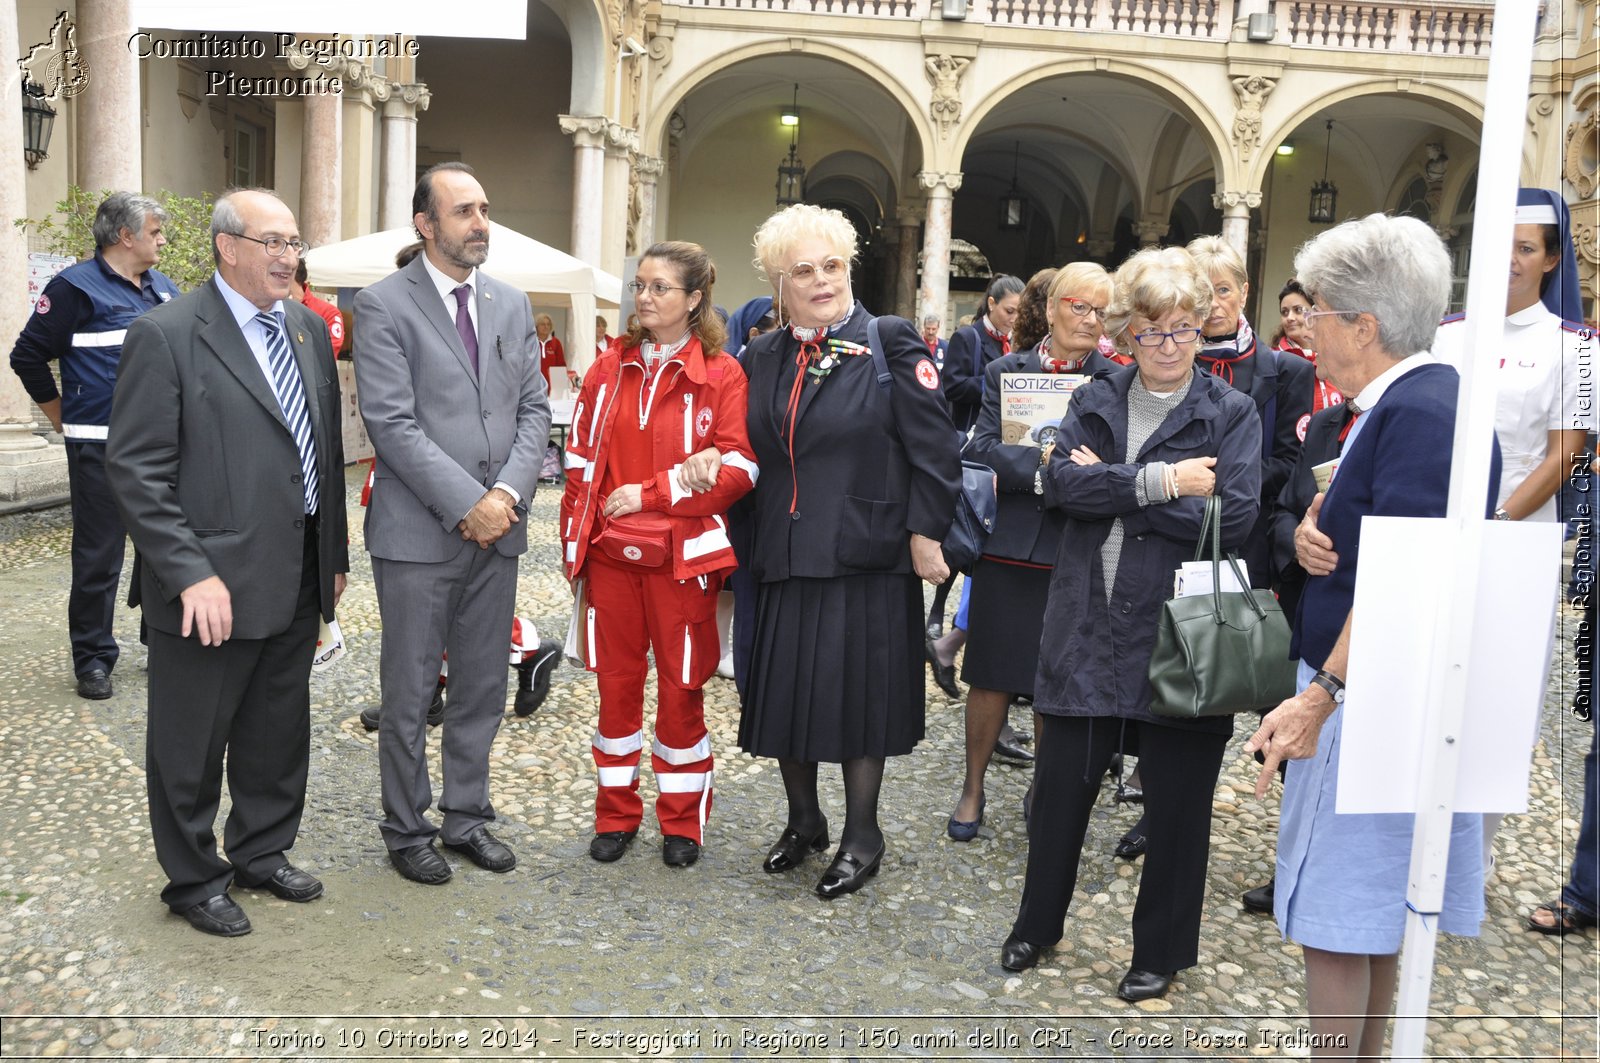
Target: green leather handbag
x=1220, y=653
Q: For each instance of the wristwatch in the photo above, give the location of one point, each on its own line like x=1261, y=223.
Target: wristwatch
x=1038, y=480
x=1330, y=683
x=1501, y=514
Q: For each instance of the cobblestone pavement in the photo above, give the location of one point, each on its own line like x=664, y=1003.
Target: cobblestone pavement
x=567, y=957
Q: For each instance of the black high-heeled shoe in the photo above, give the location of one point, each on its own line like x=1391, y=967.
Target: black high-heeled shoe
x=847, y=874
x=791, y=848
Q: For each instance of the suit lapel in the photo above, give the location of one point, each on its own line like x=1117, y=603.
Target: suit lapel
x=221, y=333
x=306, y=358
x=488, y=336
x=432, y=308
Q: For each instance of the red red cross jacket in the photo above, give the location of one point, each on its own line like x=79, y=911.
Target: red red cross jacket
x=698, y=403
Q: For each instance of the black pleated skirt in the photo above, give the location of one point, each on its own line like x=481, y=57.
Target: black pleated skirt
x=1004, y=621
x=837, y=669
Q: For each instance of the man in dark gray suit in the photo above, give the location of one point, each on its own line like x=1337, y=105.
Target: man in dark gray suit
x=450, y=389
x=227, y=465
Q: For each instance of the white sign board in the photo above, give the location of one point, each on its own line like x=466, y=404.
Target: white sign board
x=1398, y=584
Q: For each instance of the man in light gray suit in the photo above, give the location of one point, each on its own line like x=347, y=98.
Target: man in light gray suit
x=449, y=386
x=227, y=464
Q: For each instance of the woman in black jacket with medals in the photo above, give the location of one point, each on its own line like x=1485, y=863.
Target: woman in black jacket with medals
x=858, y=487
x=1011, y=579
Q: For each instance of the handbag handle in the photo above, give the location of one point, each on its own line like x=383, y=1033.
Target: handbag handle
x=1211, y=524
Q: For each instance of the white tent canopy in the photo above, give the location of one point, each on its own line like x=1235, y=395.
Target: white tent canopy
x=551, y=277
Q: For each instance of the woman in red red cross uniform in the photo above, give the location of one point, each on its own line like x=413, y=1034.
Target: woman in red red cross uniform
x=657, y=452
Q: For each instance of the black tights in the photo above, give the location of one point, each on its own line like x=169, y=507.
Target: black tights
x=863, y=778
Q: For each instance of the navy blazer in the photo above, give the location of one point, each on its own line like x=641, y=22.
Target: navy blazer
x=866, y=468
x=1322, y=444
x=1398, y=465
x=1095, y=653
x=970, y=351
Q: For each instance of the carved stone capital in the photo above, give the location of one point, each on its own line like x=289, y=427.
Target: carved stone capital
x=932, y=181
x=620, y=139
x=1224, y=200
x=1100, y=249
x=1150, y=232
x=586, y=131
x=649, y=167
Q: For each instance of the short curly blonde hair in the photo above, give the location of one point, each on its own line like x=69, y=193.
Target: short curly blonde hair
x=780, y=233
x=1152, y=284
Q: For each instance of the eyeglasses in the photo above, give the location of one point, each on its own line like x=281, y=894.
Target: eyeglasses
x=275, y=245
x=1180, y=337
x=1083, y=309
x=1311, y=315
x=804, y=273
x=656, y=288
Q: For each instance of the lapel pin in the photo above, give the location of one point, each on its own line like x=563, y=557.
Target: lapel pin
x=299, y=337
x=488, y=295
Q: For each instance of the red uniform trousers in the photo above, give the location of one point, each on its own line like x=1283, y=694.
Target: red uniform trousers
x=636, y=610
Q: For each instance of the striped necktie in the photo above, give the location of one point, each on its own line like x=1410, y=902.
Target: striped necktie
x=291, y=395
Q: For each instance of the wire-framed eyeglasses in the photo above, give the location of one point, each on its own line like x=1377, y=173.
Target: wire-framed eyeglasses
x=656, y=288
x=1180, y=337
x=802, y=274
x=276, y=245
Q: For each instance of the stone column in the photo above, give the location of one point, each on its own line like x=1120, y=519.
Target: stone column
x=1236, y=208
x=905, y=286
x=106, y=116
x=941, y=189
x=399, y=167
x=615, y=188
x=363, y=91
x=588, y=133
x=1101, y=250
x=1151, y=231
x=648, y=170
x=30, y=468
x=321, y=171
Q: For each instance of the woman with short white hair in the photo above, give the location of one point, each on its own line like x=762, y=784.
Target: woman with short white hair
x=859, y=477
x=1378, y=286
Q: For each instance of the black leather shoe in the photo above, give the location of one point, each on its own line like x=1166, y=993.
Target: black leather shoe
x=847, y=874
x=944, y=675
x=533, y=677
x=289, y=883
x=218, y=915
x=1018, y=955
x=1010, y=750
x=95, y=685
x=485, y=850
x=611, y=845
x=1139, y=985
x=370, y=716
x=421, y=863
x=1126, y=794
x=678, y=851
x=1260, y=898
x=791, y=848
x=1132, y=845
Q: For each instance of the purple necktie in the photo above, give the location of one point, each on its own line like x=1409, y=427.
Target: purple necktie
x=469, y=338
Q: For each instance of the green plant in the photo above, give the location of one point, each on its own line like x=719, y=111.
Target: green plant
x=186, y=258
